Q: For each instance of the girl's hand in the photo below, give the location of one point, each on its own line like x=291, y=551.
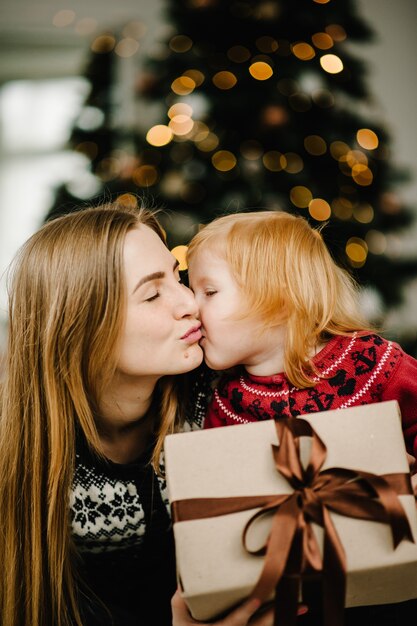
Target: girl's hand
x=239, y=617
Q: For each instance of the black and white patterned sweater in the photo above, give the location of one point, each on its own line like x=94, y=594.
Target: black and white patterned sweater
x=122, y=530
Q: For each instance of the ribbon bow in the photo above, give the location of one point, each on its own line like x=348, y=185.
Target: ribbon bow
x=292, y=549
x=292, y=545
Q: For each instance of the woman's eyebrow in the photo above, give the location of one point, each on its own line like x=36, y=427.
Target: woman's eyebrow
x=153, y=276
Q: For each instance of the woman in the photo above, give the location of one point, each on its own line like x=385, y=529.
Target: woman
x=100, y=328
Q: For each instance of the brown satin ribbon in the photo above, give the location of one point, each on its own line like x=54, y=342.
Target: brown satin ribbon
x=292, y=548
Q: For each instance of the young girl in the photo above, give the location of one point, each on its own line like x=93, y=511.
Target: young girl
x=277, y=310
x=99, y=328
x=274, y=303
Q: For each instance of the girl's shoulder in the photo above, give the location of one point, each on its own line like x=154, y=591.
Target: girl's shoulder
x=368, y=357
x=359, y=354
x=359, y=347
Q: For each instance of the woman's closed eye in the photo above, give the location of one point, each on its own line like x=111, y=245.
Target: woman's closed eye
x=210, y=292
x=153, y=297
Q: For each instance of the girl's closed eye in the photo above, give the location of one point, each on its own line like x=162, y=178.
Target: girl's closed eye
x=210, y=292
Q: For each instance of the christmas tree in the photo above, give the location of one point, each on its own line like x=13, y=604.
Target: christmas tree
x=263, y=105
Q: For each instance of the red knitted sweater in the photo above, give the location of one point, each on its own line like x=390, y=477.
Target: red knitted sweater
x=356, y=370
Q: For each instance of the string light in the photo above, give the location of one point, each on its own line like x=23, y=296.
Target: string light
x=303, y=51
x=159, y=135
x=145, y=176
x=260, y=70
x=338, y=149
x=301, y=196
x=108, y=169
x=376, y=241
x=266, y=10
x=274, y=115
x=367, y=139
x=127, y=200
x=353, y=157
x=180, y=253
x=127, y=47
x=315, y=145
x=180, y=43
x=208, y=143
x=195, y=75
x=200, y=131
x=180, y=108
x=224, y=80
x=183, y=85
x=251, y=149
x=319, y=209
x=323, y=41
x=323, y=98
x=181, y=124
x=356, y=251
x=336, y=32
x=294, y=163
x=342, y=208
x=390, y=203
x=172, y=184
x=274, y=161
x=362, y=175
x=331, y=63
x=224, y=160
x=103, y=44
x=363, y=213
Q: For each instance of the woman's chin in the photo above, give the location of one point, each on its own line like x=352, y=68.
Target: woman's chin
x=193, y=357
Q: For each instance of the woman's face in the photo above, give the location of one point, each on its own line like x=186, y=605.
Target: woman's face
x=161, y=331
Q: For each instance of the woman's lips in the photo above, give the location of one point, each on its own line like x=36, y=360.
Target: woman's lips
x=193, y=335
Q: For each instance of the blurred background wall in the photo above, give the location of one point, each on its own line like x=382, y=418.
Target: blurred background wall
x=51, y=55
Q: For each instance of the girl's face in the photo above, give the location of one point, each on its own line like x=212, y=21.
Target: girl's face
x=228, y=341
x=161, y=331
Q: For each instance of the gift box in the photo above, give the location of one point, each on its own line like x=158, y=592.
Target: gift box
x=269, y=504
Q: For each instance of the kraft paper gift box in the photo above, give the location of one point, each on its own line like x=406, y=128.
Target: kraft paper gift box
x=215, y=570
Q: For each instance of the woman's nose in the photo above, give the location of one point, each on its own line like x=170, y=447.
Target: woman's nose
x=187, y=304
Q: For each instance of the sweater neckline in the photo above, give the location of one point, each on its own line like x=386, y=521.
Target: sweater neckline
x=141, y=463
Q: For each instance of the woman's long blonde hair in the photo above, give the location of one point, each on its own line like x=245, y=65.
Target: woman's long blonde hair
x=287, y=276
x=66, y=313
